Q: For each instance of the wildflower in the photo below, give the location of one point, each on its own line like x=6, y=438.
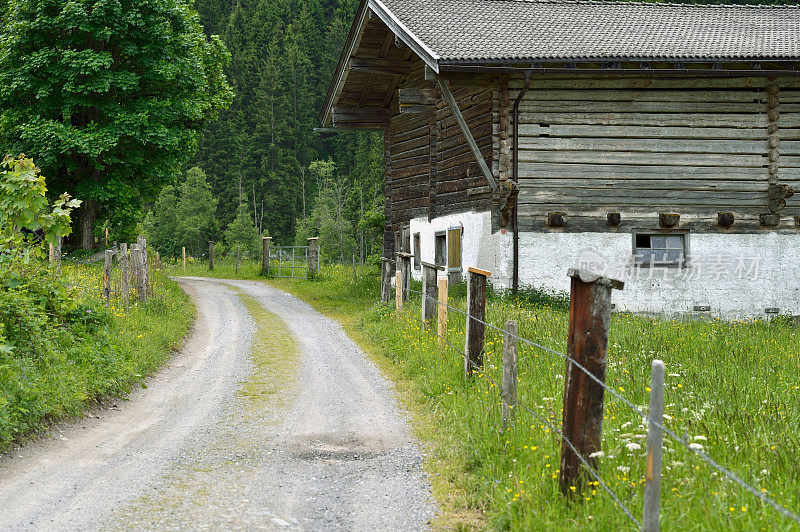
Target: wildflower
x=633, y=446
x=597, y=454
x=695, y=447
x=624, y=469
x=700, y=438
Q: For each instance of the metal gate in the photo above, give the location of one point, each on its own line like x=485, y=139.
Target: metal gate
x=290, y=261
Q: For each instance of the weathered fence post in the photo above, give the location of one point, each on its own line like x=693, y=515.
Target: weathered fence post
x=429, y=296
x=587, y=344
x=109, y=258
x=124, y=272
x=238, y=248
x=441, y=322
x=183, y=250
x=386, y=279
x=313, y=258
x=509, y=371
x=476, y=315
x=137, y=264
x=652, y=476
x=210, y=255
x=398, y=290
x=157, y=264
x=144, y=282
x=265, y=242
x=404, y=266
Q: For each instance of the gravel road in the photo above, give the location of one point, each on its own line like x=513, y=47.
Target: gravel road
x=331, y=451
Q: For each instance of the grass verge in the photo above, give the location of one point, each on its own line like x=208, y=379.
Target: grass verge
x=68, y=347
x=732, y=388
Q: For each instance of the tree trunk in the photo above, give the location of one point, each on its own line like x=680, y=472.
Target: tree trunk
x=88, y=215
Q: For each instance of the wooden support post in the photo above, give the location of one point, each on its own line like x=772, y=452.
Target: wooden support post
x=387, y=271
x=476, y=315
x=429, y=296
x=265, y=243
x=313, y=258
x=109, y=258
x=441, y=322
x=509, y=371
x=183, y=251
x=587, y=344
x=211, y=255
x=136, y=269
x=124, y=272
x=652, y=476
x=398, y=291
x=238, y=248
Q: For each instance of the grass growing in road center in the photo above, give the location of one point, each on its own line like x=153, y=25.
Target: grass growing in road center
x=732, y=389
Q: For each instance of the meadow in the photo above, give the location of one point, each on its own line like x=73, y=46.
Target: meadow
x=733, y=390
x=65, y=347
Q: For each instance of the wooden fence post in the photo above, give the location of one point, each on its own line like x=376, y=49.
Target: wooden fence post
x=313, y=258
x=429, y=296
x=238, y=248
x=652, y=476
x=211, y=255
x=136, y=266
x=404, y=266
x=587, y=344
x=398, y=290
x=387, y=267
x=265, y=242
x=109, y=257
x=144, y=282
x=509, y=371
x=476, y=315
x=157, y=264
x=55, y=251
x=441, y=322
x=124, y=272
x=183, y=251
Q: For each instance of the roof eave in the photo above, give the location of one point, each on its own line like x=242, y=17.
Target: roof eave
x=354, y=38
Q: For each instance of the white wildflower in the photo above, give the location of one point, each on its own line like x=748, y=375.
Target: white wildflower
x=597, y=454
x=764, y=472
x=626, y=425
x=624, y=469
x=633, y=446
x=673, y=374
x=695, y=447
x=667, y=417
x=675, y=463
x=700, y=438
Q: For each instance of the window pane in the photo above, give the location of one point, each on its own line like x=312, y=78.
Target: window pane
x=658, y=242
x=675, y=256
x=674, y=241
x=642, y=241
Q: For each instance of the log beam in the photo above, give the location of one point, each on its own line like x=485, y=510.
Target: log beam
x=387, y=67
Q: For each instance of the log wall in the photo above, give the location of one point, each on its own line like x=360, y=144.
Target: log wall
x=645, y=146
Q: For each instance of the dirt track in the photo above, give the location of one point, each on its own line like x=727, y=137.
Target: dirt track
x=333, y=452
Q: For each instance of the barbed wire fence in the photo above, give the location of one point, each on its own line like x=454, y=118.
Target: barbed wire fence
x=584, y=296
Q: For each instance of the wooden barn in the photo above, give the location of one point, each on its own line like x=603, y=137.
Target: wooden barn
x=655, y=143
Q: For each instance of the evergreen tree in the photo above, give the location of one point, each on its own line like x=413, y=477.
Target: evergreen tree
x=197, y=223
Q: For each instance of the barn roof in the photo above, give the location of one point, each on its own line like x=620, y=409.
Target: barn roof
x=449, y=35
x=538, y=30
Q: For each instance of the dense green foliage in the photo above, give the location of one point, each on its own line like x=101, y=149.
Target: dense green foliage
x=108, y=96
x=283, y=56
x=27, y=222
x=62, y=345
x=183, y=217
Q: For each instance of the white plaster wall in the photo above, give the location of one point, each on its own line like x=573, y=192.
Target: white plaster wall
x=737, y=275
x=479, y=247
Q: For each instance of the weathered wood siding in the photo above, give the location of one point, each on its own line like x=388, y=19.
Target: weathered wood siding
x=789, y=143
x=646, y=146
x=431, y=170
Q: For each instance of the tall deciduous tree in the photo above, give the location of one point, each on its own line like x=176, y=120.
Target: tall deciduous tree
x=108, y=95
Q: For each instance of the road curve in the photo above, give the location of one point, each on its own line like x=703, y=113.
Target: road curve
x=185, y=452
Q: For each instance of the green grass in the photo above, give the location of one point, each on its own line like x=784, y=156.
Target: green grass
x=62, y=362
x=224, y=268
x=732, y=387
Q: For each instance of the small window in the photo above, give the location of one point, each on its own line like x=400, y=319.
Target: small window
x=440, y=258
x=454, y=249
x=406, y=240
x=659, y=250
x=417, y=252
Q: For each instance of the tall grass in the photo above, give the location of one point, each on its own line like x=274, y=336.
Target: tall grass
x=732, y=387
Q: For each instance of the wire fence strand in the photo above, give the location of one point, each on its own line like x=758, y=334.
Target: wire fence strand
x=713, y=463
